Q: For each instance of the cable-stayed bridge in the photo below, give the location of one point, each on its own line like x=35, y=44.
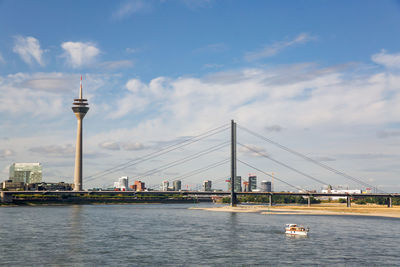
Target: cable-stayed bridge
x=230, y=161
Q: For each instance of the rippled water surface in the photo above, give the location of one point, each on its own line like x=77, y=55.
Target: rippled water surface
x=172, y=235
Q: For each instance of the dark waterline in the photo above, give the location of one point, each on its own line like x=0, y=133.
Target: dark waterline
x=172, y=235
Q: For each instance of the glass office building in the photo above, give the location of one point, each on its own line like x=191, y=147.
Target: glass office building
x=252, y=183
x=26, y=172
x=238, y=184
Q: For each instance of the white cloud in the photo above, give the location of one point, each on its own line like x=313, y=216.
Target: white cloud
x=140, y=96
x=388, y=133
x=54, y=150
x=130, y=50
x=253, y=150
x=110, y=145
x=387, y=60
x=342, y=110
x=38, y=93
x=80, y=54
x=292, y=97
x=4, y=153
x=275, y=48
x=28, y=48
x=129, y=7
x=113, y=65
x=274, y=128
x=2, y=59
x=128, y=146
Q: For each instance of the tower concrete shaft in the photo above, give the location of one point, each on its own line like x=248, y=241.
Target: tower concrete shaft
x=80, y=108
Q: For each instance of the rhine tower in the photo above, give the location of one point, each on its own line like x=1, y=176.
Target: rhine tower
x=80, y=108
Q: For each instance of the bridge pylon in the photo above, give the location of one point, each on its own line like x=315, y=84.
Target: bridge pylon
x=233, y=164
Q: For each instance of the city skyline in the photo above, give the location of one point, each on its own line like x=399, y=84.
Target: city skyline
x=156, y=72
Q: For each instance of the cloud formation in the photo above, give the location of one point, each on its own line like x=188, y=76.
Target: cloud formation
x=388, y=133
x=2, y=59
x=128, y=8
x=128, y=146
x=110, y=145
x=4, y=153
x=28, y=48
x=34, y=94
x=252, y=150
x=54, y=150
x=387, y=60
x=80, y=54
x=300, y=95
x=275, y=48
x=273, y=128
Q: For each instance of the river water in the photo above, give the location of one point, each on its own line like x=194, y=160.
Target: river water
x=173, y=235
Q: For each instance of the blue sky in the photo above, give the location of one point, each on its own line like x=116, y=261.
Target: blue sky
x=319, y=76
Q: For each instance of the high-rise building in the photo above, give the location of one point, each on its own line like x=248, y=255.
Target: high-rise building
x=238, y=184
x=207, y=185
x=266, y=186
x=245, y=186
x=138, y=186
x=252, y=182
x=164, y=186
x=122, y=183
x=80, y=108
x=26, y=172
x=177, y=184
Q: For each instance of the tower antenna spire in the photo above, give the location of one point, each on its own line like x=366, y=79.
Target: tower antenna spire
x=80, y=90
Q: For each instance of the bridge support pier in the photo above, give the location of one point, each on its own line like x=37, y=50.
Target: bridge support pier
x=270, y=200
x=309, y=201
x=348, y=202
x=390, y=202
x=5, y=198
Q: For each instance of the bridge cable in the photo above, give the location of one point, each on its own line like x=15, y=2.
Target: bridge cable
x=298, y=188
x=184, y=160
x=283, y=164
x=198, y=171
x=201, y=170
x=309, y=159
x=158, y=153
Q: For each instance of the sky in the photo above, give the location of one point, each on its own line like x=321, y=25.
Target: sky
x=319, y=77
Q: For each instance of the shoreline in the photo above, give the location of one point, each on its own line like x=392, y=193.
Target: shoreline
x=316, y=209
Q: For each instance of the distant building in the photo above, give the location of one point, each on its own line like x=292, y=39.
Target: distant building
x=207, y=185
x=12, y=186
x=266, y=186
x=43, y=186
x=245, y=186
x=177, y=184
x=122, y=183
x=252, y=183
x=164, y=186
x=26, y=172
x=238, y=184
x=138, y=186
x=343, y=191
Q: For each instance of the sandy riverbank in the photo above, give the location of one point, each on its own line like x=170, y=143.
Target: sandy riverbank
x=316, y=209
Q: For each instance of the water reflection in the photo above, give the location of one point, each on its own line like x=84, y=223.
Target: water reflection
x=76, y=232
x=233, y=231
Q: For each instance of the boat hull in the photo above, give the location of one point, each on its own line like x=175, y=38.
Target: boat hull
x=300, y=233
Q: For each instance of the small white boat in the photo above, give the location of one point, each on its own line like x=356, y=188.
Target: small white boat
x=294, y=229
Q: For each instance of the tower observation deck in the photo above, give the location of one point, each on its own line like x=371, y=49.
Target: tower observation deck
x=80, y=107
